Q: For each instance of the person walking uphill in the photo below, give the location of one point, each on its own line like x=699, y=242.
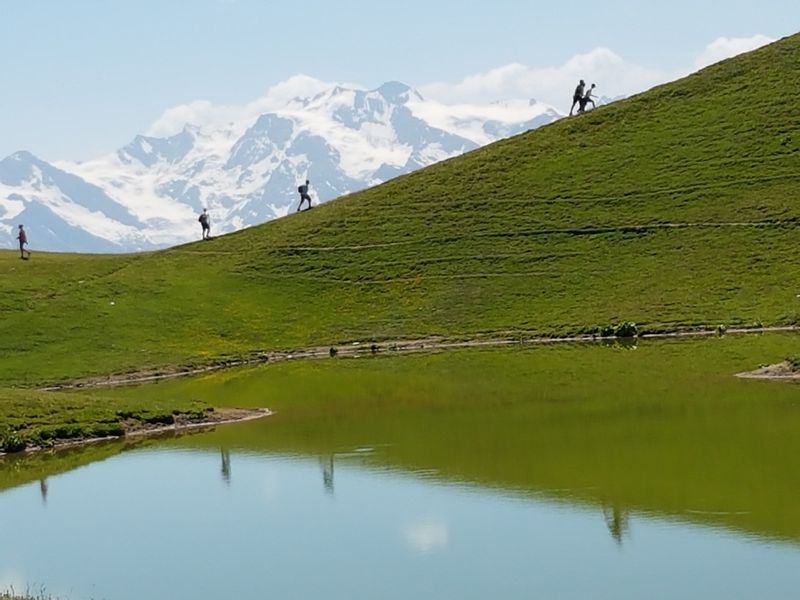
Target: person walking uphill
x=303, y=191
x=205, y=223
x=577, y=97
x=23, y=241
x=588, y=99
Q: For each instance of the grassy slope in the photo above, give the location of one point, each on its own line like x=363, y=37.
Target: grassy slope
x=555, y=231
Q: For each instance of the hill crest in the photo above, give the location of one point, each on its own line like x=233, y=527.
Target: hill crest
x=676, y=209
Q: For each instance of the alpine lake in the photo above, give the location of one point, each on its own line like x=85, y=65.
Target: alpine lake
x=600, y=470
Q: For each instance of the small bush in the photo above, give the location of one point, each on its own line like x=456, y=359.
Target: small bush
x=12, y=442
x=627, y=330
x=620, y=330
x=195, y=414
x=159, y=419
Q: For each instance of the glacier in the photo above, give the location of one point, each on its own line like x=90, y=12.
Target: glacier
x=246, y=170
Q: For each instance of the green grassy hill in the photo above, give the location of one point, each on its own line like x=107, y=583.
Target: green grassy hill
x=674, y=209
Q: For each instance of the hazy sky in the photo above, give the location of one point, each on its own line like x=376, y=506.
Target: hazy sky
x=82, y=77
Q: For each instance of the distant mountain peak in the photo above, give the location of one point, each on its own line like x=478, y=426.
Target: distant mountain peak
x=23, y=156
x=397, y=92
x=150, y=150
x=246, y=170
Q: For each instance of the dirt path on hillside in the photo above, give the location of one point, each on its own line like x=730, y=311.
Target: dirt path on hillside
x=368, y=348
x=633, y=228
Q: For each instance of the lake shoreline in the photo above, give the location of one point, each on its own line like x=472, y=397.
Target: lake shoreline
x=219, y=416
x=784, y=371
x=367, y=348
x=138, y=427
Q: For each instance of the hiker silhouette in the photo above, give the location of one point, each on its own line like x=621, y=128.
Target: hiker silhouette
x=588, y=98
x=205, y=223
x=577, y=97
x=304, y=197
x=22, y=236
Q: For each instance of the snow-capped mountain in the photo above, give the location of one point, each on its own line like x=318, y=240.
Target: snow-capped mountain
x=245, y=170
x=63, y=210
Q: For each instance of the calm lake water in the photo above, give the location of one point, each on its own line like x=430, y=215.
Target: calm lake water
x=561, y=472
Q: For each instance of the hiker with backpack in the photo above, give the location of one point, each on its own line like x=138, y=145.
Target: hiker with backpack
x=588, y=98
x=23, y=241
x=577, y=97
x=303, y=191
x=205, y=223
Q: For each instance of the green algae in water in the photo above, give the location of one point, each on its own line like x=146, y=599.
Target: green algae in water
x=662, y=426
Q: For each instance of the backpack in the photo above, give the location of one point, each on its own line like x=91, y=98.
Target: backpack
x=301, y=189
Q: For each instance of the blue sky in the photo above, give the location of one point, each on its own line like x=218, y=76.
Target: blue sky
x=82, y=77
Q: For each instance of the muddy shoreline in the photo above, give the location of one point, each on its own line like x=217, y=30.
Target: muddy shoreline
x=784, y=371
x=221, y=416
x=354, y=350
x=366, y=348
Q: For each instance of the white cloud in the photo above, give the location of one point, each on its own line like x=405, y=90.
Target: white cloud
x=553, y=85
x=301, y=86
x=173, y=119
x=427, y=536
x=615, y=76
x=724, y=47
x=203, y=113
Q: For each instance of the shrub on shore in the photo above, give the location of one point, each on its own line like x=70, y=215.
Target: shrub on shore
x=625, y=329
